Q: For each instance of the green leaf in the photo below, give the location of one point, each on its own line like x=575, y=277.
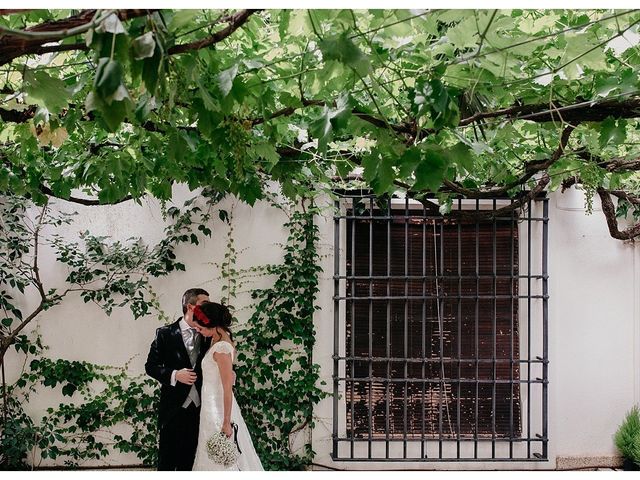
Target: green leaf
x=283, y=25
x=605, y=85
x=409, y=161
x=378, y=171
x=143, y=109
x=432, y=97
x=207, y=100
x=341, y=114
x=464, y=34
x=299, y=23
x=563, y=168
x=331, y=119
x=151, y=67
x=46, y=91
x=268, y=152
x=615, y=181
x=289, y=100
x=177, y=146
x=321, y=129
x=92, y=102
x=460, y=154
x=225, y=79
x=385, y=176
x=252, y=63
x=182, y=18
x=62, y=189
x=579, y=54
x=537, y=23
x=250, y=191
x=612, y=132
x=341, y=48
x=430, y=172
x=69, y=389
x=108, y=77
x=114, y=114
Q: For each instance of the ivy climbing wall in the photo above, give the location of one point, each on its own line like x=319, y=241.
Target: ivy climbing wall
x=78, y=395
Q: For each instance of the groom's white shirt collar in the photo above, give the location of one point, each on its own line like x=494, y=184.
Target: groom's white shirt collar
x=183, y=325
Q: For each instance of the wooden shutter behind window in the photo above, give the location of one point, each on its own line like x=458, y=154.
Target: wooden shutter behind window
x=461, y=329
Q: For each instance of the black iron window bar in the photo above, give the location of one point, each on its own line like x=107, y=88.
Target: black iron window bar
x=440, y=331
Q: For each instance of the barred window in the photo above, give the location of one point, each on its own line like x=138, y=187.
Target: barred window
x=432, y=343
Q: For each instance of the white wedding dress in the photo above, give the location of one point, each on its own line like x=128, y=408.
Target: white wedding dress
x=212, y=413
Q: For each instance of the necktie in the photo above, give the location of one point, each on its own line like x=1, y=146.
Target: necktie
x=191, y=345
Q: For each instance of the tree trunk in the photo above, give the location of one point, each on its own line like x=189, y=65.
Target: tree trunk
x=5, y=405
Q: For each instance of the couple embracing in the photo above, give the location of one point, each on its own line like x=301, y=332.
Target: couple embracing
x=193, y=360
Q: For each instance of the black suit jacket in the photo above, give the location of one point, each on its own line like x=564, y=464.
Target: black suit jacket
x=168, y=353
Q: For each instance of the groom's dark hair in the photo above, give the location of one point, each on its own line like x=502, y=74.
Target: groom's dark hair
x=190, y=296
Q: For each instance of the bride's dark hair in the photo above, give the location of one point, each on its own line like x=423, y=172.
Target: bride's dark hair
x=211, y=315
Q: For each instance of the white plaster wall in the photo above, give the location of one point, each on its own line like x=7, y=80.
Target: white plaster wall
x=75, y=330
x=593, y=329
x=594, y=317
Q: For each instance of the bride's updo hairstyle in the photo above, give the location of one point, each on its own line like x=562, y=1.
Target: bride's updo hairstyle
x=212, y=315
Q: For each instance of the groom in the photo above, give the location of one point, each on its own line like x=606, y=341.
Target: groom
x=175, y=361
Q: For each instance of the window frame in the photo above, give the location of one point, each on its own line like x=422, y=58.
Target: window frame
x=530, y=445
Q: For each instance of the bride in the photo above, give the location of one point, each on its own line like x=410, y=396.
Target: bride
x=219, y=406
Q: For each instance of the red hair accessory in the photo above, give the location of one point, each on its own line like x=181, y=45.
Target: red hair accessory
x=200, y=316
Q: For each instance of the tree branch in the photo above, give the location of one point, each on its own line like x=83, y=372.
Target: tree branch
x=10, y=11
x=401, y=128
x=625, y=196
x=530, y=170
x=9, y=339
x=82, y=201
x=284, y=112
x=13, y=46
x=17, y=116
x=574, y=113
x=36, y=244
x=612, y=165
x=609, y=211
x=539, y=188
x=235, y=21
x=43, y=34
x=483, y=35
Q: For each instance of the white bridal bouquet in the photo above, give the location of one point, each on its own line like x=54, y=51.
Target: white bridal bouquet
x=222, y=450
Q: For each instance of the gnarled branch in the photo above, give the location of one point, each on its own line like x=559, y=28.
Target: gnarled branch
x=530, y=170
x=90, y=202
x=572, y=113
x=611, y=165
x=235, y=21
x=609, y=211
x=13, y=46
x=625, y=196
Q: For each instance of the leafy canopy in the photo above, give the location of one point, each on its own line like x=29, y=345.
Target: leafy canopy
x=466, y=102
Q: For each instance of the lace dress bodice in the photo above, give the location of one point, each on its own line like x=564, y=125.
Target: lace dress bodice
x=212, y=382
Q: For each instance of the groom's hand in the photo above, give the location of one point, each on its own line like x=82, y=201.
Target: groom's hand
x=186, y=376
